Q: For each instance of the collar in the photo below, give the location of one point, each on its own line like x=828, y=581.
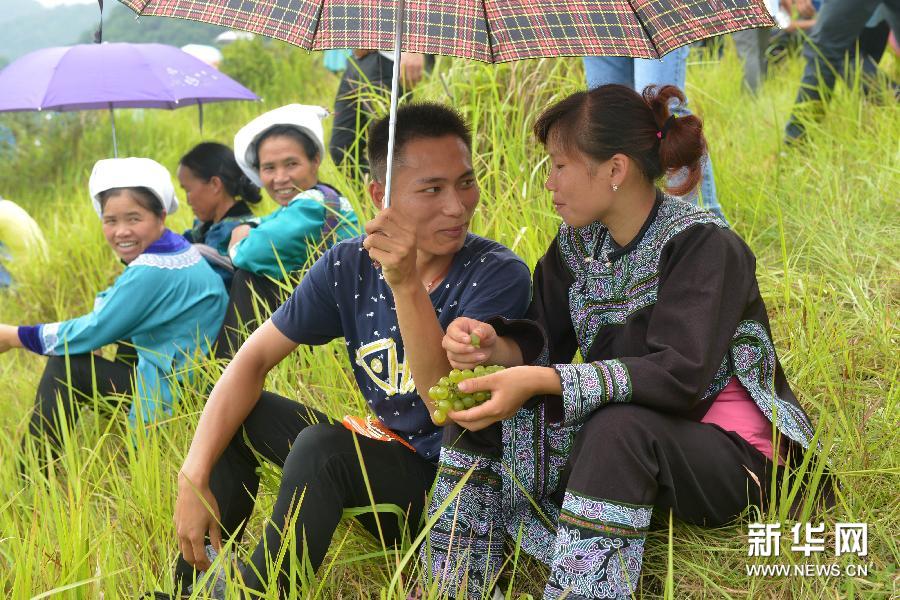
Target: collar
x=619, y=251
x=168, y=243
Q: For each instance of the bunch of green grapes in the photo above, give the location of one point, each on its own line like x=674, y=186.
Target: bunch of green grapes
x=447, y=396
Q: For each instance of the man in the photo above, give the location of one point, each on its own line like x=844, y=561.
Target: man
x=392, y=319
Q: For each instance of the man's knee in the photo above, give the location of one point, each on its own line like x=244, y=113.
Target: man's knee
x=315, y=449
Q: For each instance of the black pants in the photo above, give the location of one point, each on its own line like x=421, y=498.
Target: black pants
x=68, y=382
x=321, y=463
x=353, y=109
x=250, y=295
x=625, y=462
x=837, y=29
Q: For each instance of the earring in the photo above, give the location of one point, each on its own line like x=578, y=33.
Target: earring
x=615, y=188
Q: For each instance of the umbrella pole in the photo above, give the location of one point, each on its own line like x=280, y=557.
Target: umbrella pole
x=200, y=115
x=112, y=119
x=399, y=17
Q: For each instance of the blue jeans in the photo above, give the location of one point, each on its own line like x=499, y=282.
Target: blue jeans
x=638, y=73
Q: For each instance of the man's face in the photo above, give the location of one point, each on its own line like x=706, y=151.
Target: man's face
x=434, y=187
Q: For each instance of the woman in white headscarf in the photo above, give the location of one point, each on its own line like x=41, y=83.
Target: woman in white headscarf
x=168, y=302
x=281, y=151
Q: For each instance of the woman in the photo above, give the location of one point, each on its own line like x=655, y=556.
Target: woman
x=679, y=381
x=281, y=151
x=638, y=73
x=218, y=192
x=168, y=302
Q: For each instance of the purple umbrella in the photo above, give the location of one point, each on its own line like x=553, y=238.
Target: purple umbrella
x=109, y=76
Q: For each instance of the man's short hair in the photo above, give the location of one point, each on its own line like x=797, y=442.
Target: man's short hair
x=414, y=121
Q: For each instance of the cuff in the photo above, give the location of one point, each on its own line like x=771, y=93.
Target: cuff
x=528, y=335
x=589, y=386
x=30, y=336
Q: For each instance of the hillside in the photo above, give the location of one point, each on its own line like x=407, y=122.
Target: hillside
x=28, y=26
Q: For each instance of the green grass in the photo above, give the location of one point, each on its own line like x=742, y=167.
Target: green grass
x=821, y=218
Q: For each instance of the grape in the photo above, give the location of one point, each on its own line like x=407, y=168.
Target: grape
x=438, y=392
x=476, y=341
x=447, y=395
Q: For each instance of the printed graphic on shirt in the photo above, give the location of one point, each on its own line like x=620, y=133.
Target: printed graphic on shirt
x=380, y=362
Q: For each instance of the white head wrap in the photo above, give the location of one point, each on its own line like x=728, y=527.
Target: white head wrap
x=305, y=118
x=112, y=173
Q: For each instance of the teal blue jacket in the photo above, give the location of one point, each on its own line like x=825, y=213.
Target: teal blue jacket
x=285, y=240
x=168, y=302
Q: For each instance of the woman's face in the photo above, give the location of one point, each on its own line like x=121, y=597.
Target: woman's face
x=128, y=227
x=206, y=198
x=581, y=191
x=284, y=168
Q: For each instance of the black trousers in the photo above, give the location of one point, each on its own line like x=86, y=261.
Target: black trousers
x=70, y=382
x=250, y=294
x=319, y=462
x=353, y=109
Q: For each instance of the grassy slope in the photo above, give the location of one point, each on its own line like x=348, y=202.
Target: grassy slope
x=821, y=219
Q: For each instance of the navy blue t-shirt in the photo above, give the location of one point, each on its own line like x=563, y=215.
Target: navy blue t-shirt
x=342, y=295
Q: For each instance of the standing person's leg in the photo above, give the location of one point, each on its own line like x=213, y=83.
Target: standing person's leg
x=322, y=476
x=751, y=46
x=250, y=293
x=837, y=28
x=671, y=69
x=649, y=461
x=268, y=432
x=68, y=382
x=368, y=75
x=601, y=70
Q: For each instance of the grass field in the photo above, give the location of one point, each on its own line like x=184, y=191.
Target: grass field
x=822, y=219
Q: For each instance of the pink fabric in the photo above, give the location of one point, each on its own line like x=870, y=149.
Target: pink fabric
x=734, y=410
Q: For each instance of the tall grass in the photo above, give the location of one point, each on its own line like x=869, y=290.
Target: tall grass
x=821, y=218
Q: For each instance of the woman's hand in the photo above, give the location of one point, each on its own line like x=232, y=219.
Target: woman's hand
x=196, y=514
x=509, y=389
x=238, y=233
x=458, y=343
x=9, y=338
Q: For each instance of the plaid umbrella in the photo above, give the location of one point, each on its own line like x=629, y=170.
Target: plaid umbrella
x=485, y=30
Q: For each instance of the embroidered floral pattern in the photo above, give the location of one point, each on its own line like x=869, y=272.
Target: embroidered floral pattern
x=753, y=356
x=599, y=548
x=463, y=542
x=606, y=293
x=588, y=386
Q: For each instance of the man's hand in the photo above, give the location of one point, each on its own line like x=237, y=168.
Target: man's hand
x=238, y=233
x=412, y=67
x=196, y=514
x=391, y=240
x=510, y=389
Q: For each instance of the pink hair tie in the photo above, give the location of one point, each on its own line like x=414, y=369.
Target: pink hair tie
x=659, y=134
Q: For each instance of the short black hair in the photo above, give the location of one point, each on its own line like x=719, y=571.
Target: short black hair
x=143, y=196
x=414, y=121
x=289, y=131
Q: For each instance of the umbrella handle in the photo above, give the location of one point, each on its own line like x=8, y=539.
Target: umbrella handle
x=399, y=17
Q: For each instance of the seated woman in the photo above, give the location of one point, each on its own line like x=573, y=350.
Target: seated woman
x=168, y=302
x=281, y=151
x=680, y=391
x=218, y=192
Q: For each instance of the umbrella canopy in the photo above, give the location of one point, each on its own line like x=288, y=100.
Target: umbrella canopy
x=485, y=30
x=103, y=76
